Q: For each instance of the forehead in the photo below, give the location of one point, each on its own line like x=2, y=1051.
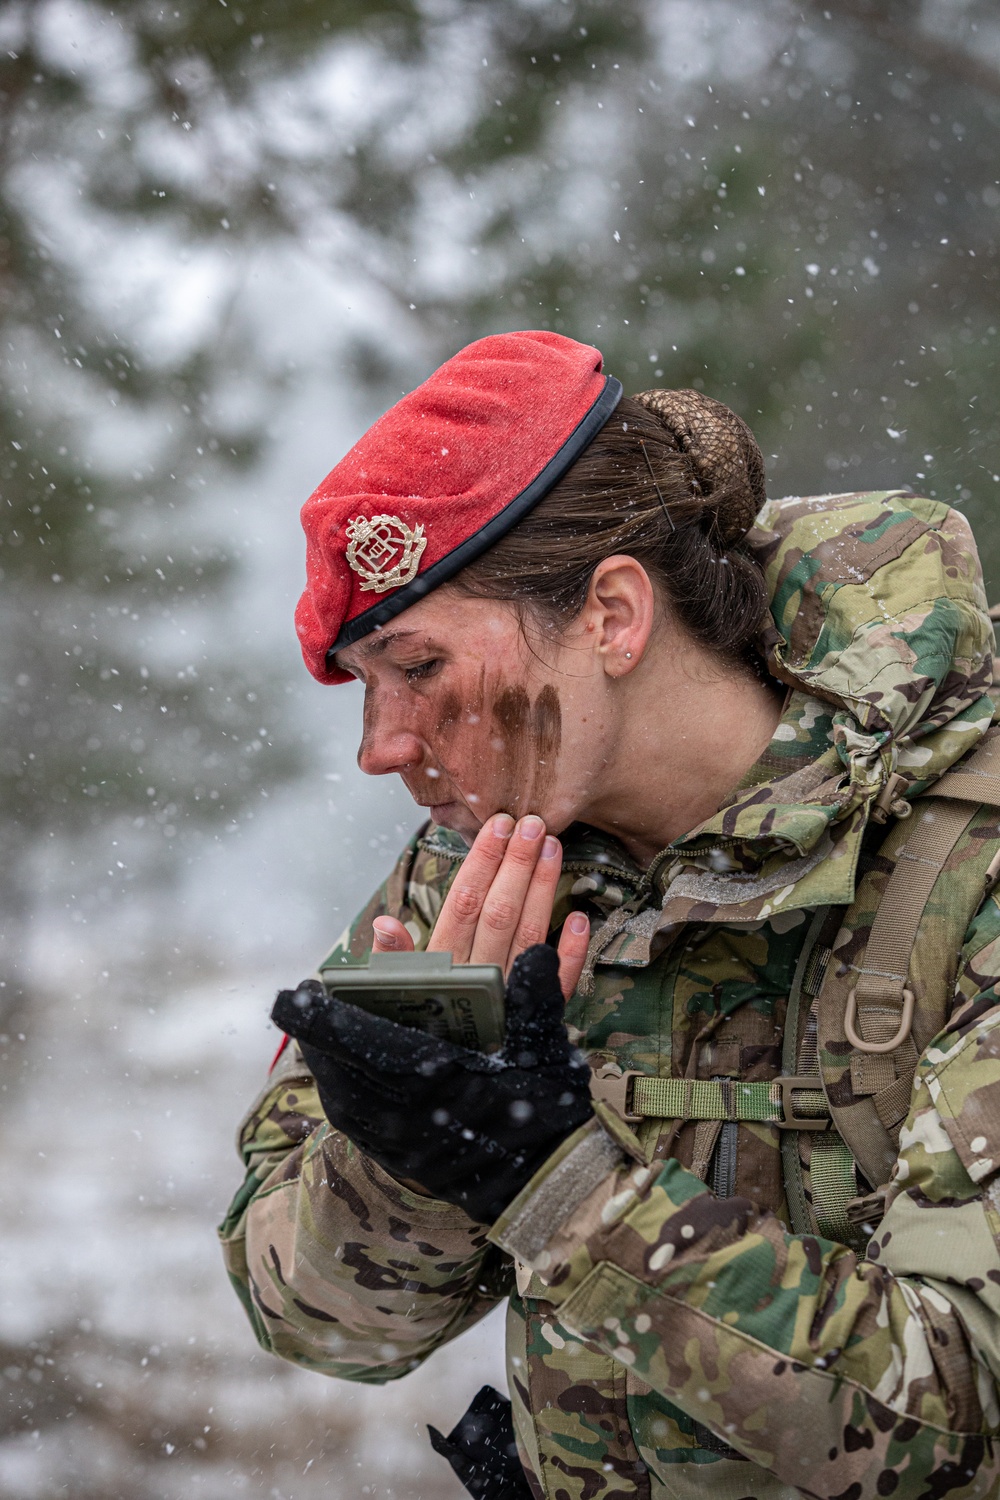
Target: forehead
x=446, y=619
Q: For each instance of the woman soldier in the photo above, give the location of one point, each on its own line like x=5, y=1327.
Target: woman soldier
x=669, y=736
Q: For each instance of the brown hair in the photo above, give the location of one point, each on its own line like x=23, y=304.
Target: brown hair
x=673, y=479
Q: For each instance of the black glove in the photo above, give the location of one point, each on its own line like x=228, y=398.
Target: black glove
x=471, y=1129
x=482, y=1449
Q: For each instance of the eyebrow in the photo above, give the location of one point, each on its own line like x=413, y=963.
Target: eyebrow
x=381, y=641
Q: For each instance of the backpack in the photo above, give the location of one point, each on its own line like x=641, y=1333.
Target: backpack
x=873, y=985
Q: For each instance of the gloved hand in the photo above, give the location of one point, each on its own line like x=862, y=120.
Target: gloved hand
x=470, y=1128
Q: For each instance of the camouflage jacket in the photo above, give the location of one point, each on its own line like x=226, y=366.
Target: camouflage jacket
x=668, y=1335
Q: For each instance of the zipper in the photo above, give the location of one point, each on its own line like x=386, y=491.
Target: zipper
x=723, y=1182
x=632, y=878
x=641, y=883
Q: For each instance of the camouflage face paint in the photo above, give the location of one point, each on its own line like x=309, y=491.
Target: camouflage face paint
x=503, y=743
x=526, y=740
x=457, y=708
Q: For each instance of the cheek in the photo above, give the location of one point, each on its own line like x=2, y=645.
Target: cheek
x=508, y=743
x=546, y=725
x=495, y=739
x=458, y=725
x=452, y=723
x=526, y=734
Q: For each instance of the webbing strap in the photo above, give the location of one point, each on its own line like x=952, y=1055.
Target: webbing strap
x=799, y=1056
x=722, y=1099
x=968, y=786
x=977, y=780
x=831, y=1168
x=879, y=990
x=880, y=1008
x=879, y=994
x=831, y=1177
x=892, y=1103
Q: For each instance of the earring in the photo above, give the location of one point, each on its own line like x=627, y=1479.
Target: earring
x=628, y=656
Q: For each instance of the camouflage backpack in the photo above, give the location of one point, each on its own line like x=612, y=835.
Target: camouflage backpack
x=873, y=985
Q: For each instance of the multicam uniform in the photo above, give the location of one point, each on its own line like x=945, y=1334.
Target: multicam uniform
x=668, y=1336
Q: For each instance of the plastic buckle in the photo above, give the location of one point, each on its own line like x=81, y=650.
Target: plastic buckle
x=613, y=1087
x=789, y=1119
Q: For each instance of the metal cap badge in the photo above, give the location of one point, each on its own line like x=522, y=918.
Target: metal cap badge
x=384, y=551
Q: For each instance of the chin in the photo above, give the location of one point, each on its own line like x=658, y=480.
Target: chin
x=458, y=818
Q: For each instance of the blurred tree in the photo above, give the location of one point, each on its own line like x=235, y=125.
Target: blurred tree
x=107, y=555
x=792, y=207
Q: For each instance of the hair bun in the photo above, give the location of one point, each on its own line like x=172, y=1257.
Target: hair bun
x=725, y=461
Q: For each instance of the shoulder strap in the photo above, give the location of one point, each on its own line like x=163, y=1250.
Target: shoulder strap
x=817, y=1168
x=891, y=990
x=976, y=779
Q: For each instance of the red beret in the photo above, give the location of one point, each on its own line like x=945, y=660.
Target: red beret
x=440, y=478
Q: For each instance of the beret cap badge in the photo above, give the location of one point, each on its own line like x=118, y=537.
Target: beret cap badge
x=384, y=551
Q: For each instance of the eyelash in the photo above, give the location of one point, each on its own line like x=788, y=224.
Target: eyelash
x=425, y=669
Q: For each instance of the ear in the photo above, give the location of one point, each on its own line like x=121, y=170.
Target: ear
x=621, y=604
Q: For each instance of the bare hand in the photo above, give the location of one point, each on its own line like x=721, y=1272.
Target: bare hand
x=501, y=903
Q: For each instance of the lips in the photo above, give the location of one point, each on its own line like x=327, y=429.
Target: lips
x=430, y=796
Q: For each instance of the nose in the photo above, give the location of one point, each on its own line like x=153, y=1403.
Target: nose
x=387, y=745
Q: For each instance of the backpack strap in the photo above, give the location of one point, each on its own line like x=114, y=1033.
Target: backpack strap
x=892, y=988
x=976, y=779
x=817, y=1169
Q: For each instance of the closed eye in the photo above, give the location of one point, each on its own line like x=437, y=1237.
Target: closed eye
x=423, y=670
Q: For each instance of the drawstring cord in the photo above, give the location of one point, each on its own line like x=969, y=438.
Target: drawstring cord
x=606, y=930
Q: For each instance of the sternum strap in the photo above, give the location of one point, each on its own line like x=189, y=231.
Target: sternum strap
x=722, y=1099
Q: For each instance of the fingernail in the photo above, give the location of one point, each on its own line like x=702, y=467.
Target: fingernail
x=531, y=828
x=387, y=938
x=503, y=825
x=550, y=848
x=577, y=923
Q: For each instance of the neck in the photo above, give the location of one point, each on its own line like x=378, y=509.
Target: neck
x=687, y=729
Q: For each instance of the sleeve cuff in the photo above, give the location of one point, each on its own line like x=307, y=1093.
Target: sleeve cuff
x=597, y=1203
x=586, y=1167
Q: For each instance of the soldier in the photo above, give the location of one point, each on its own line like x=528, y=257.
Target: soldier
x=719, y=773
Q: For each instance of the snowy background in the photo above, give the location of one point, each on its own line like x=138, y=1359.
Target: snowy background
x=230, y=238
